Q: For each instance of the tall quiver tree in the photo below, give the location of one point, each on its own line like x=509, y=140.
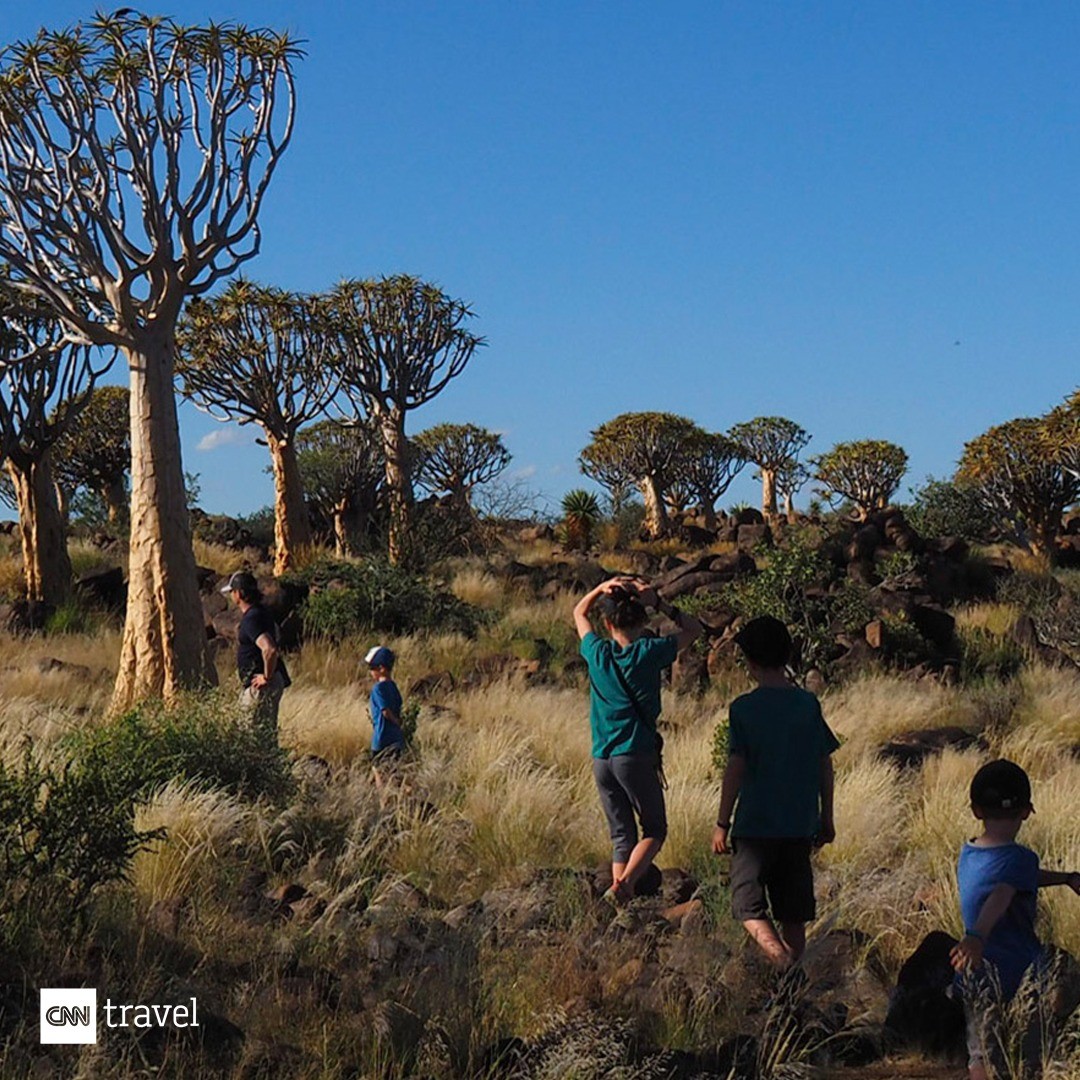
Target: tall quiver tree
x=260, y=355
x=95, y=452
x=709, y=464
x=647, y=446
x=1020, y=481
x=45, y=379
x=771, y=443
x=134, y=157
x=453, y=459
x=402, y=340
x=342, y=469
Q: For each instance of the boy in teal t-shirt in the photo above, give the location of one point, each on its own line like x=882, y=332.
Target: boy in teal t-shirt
x=780, y=771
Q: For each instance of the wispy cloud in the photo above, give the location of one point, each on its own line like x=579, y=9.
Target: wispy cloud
x=524, y=472
x=224, y=436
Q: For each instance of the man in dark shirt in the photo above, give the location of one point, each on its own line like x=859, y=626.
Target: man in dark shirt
x=262, y=671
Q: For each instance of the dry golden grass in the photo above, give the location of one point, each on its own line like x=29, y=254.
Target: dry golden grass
x=21, y=677
x=476, y=586
x=198, y=825
x=871, y=710
x=224, y=560
x=994, y=618
x=333, y=724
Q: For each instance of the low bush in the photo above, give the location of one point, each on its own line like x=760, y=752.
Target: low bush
x=349, y=599
x=949, y=508
x=65, y=830
x=205, y=738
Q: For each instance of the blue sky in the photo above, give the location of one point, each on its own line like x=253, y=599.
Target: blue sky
x=863, y=216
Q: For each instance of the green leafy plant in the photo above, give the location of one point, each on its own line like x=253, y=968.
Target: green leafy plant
x=348, y=599
x=581, y=516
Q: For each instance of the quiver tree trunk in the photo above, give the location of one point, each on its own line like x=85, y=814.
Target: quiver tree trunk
x=350, y=526
x=114, y=495
x=655, y=514
x=46, y=566
x=708, y=513
x=164, y=646
x=399, y=495
x=292, y=527
x=768, y=492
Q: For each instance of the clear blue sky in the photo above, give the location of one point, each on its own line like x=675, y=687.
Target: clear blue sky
x=863, y=216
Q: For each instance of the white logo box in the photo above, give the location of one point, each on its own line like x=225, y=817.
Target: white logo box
x=68, y=1016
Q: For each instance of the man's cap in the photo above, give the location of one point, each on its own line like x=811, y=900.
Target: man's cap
x=379, y=656
x=241, y=581
x=1001, y=785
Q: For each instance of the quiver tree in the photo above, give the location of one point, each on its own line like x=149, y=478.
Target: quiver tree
x=791, y=478
x=607, y=465
x=866, y=472
x=771, y=443
x=95, y=451
x=647, y=447
x=45, y=379
x=709, y=463
x=452, y=459
x=259, y=355
x=1061, y=434
x=402, y=340
x=1019, y=481
x=134, y=157
x=342, y=470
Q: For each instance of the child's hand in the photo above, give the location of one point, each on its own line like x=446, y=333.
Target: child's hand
x=968, y=954
x=825, y=835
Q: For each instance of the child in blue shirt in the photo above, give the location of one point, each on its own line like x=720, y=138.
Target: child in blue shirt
x=388, y=740
x=998, y=882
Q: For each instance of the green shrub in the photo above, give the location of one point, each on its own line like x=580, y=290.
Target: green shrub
x=987, y=655
x=950, y=508
x=897, y=564
x=74, y=617
x=64, y=832
x=204, y=737
x=721, y=745
x=350, y=599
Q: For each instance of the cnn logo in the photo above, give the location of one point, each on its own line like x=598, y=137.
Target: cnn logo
x=69, y=1016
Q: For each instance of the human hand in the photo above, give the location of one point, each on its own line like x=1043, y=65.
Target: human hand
x=258, y=682
x=720, y=844
x=968, y=954
x=825, y=835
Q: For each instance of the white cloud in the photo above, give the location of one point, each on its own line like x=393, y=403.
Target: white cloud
x=224, y=436
x=524, y=472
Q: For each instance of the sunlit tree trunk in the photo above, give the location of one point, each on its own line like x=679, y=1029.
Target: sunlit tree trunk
x=655, y=514
x=398, y=485
x=292, y=528
x=164, y=646
x=708, y=514
x=768, y=492
x=46, y=566
x=114, y=496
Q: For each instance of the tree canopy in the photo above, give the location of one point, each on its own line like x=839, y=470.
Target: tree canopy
x=646, y=447
x=771, y=443
x=867, y=472
x=455, y=458
x=1020, y=481
x=95, y=452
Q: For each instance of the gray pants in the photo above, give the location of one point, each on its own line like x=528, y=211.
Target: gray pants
x=263, y=705
x=630, y=791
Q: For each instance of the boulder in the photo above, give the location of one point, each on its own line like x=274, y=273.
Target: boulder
x=50, y=665
x=435, y=684
x=106, y=588
x=690, y=673
x=935, y=625
x=911, y=748
x=865, y=541
x=922, y=1016
x=696, y=537
x=753, y=536
x=748, y=515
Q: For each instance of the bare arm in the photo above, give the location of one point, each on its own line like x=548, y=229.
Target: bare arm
x=270, y=660
x=827, y=834
x=734, y=775
x=968, y=953
x=1060, y=877
x=584, y=605
x=690, y=629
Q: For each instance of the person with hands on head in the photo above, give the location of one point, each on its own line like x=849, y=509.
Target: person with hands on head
x=998, y=882
x=778, y=783
x=624, y=705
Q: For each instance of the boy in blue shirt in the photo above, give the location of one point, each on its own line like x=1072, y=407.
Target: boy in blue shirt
x=388, y=740
x=780, y=771
x=998, y=881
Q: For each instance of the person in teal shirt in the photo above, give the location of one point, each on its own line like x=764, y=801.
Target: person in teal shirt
x=780, y=771
x=624, y=672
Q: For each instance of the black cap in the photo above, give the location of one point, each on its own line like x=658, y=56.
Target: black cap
x=242, y=582
x=1001, y=785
